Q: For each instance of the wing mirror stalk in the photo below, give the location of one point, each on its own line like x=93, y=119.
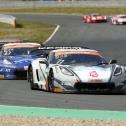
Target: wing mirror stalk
x=112, y=61
x=44, y=62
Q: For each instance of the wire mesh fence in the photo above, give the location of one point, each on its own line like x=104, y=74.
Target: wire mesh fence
x=62, y=3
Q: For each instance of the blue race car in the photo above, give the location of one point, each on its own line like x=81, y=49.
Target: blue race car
x=15, y=58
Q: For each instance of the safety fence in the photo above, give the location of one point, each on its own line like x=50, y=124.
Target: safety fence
x=8, y=19
x=61, y=3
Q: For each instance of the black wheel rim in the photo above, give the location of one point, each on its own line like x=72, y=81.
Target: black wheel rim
x=51, y=81
x=31, y=79
x=30, y=76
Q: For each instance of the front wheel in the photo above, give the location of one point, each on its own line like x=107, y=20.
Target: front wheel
x=30, y=79
x=50, y=81
x=114, y=22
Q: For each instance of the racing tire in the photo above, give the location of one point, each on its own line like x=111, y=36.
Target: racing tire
x=114, y=22
x=30, y=79
x=50, y=81
x=85, y=21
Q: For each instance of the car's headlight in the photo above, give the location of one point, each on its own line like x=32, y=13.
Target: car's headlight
x=5, y=61
x=118, y=71
x=66, y=71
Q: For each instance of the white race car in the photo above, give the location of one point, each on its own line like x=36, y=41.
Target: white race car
x=76, y=70
x=118, y=19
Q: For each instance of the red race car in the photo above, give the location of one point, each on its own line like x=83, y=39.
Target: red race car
x=94, y=18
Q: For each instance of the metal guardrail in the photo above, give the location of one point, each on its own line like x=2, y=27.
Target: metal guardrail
x=67, y=3
x=8, y=19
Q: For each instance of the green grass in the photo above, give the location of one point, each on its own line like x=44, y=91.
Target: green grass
x=34, y=31
x=68, y=10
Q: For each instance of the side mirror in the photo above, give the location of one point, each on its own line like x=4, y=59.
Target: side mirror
x=112, y=61
x=44, y=62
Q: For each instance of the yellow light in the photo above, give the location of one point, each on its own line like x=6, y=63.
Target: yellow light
x=58, y=90
x=1, y=76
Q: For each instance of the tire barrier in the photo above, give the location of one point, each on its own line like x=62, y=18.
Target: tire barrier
x=8, y=19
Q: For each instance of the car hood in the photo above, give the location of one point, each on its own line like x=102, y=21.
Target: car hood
x=100, y=73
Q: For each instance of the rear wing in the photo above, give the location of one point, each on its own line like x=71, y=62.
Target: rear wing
x=5, y=41
x=46, y=49
x=12, y=40
x=61, y=47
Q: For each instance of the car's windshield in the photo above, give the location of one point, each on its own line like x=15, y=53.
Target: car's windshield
x=86, y=59
x=95, y=15
x=16, y=51
x=123, y=17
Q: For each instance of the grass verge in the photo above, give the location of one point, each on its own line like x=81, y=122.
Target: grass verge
x=27, y=30
x=68, y=10
x=37, y=31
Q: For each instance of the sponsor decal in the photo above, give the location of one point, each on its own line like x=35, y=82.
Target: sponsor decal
x=22, y=60
x=5, y=70
x=93, y=74
x=94, y=77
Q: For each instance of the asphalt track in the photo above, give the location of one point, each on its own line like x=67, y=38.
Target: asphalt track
x=72, y=32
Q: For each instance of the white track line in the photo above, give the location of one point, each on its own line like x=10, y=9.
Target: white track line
x=56, y=29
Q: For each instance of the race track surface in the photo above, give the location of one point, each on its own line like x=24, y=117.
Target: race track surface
x=109, y=39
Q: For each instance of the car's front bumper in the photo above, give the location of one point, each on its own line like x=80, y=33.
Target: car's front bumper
x=13, y=74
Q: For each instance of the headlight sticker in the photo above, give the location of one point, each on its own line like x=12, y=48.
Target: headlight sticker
x=65, y=71
x=118, y=71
